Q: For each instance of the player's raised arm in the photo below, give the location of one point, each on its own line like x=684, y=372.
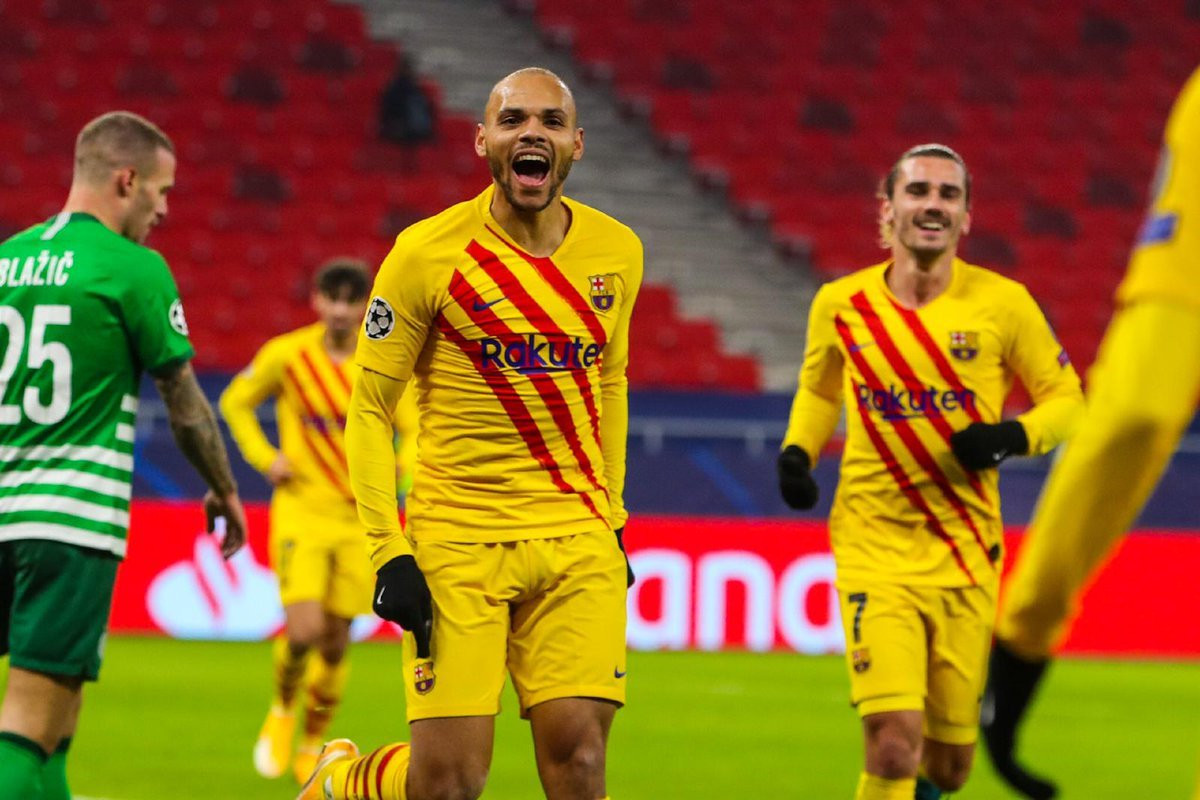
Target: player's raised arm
x=194, y=426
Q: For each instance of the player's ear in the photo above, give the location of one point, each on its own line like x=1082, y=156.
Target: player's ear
x=480, y=144
x=966, y=226
x=577, y=153
x=125, y=178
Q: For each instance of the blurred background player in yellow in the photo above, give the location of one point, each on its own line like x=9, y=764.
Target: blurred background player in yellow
x=511, y=314
x=316, y=541
x=1142, y=392
x=923, y=348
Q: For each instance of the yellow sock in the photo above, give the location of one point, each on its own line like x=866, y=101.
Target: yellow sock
x=873, y=787
x=326, y=683
x=289, y=670
x=378, y=775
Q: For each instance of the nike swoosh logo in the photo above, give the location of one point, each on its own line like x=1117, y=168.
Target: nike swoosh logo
x=854, y=348
x=617, y=673
x=379, y=599
x=478, y=306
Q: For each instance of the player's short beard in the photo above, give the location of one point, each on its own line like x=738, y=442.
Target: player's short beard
x=556, y=181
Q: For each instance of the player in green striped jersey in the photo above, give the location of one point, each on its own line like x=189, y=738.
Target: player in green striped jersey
x=85, y=309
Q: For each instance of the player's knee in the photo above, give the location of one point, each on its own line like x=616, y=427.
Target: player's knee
x=893, y=752
x=949, y=777
x=949, y=768
x=582, y=759
x=458, y=782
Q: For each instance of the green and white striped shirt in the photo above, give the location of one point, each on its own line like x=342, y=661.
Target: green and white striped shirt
x=83, y=312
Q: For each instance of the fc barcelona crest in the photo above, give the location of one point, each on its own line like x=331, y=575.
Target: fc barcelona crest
x=603, y=290
x=423, y=677
x=861, y=659
x=964, y=345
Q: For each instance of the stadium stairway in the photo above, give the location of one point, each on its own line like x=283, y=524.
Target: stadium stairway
x=718, y=269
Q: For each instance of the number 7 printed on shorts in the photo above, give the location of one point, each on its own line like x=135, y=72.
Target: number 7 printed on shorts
x=859, y=599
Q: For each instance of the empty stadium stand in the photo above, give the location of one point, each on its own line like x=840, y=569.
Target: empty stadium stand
x=795, y=109
x=272, y=105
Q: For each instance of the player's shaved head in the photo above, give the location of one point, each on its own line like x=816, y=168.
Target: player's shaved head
x=117, y=140
x=510, y=83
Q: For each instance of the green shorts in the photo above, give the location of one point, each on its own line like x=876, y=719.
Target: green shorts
x=54, y=604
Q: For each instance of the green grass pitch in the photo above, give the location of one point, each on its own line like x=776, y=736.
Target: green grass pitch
x=177, y=720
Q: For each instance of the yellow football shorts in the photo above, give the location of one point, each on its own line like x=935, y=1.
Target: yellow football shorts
x=319, y=552
x=551, y=611
x=919, y=648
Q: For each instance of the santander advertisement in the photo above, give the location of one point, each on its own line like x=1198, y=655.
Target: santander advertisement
x=703, y=584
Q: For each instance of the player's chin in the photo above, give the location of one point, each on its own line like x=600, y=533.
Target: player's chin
x=531, y=198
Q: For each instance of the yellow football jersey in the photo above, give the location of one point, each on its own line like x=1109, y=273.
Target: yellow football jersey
x=311, y=393
x=1166, y=260
x=905, y=510
x=519, y=366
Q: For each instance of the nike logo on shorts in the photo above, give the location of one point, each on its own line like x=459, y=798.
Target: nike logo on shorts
x=617, y=673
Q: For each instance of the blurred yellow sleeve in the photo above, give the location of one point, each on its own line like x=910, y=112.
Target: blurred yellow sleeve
x=241, y=399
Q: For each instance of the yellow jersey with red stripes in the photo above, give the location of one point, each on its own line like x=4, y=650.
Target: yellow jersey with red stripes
x=311, y=392
x=905, y=510
x=519, y=366
x=1166, y=260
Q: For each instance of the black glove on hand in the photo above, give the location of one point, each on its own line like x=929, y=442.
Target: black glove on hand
x=402, y=597
x=629, y=576
x=980, y=445
x=796, y=484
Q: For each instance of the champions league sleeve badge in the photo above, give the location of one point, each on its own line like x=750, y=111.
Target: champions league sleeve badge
x=380, y=319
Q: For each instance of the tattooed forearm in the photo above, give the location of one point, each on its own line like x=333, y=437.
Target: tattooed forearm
x=195, y=428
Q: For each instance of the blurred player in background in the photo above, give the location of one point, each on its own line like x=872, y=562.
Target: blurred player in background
x=317, y=547
x=924, y=348
x=511, y=314
x=84, y=310
x=1142, y=393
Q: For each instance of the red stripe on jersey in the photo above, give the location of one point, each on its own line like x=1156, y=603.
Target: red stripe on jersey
x=346, y=782
x=889, y=459
x=387, y=757
x=318, y=456
x=312, y=413
x=474, y=307
x=499, y=272
x=343, y=379
x=939, y=358
x=519, y=415
x=909, y=378
x=553, y=276
x=335, y=410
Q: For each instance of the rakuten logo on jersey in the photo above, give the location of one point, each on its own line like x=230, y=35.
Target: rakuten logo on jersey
x=732, y=599
x=536, y=353
x=898, y=402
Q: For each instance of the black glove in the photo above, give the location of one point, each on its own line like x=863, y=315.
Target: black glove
x=980, y=445
x=796, y=484
x=402, y=597
x=629, y=576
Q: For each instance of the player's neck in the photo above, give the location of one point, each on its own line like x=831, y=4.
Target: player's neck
x=83, y=199
x=339, y=347
x=538, y=233
x=917, y=282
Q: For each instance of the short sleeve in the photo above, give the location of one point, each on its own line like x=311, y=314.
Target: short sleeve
x=154, y=319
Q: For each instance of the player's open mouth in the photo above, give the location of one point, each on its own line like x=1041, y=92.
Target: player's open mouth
x=531, y=169
x=931, y=225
